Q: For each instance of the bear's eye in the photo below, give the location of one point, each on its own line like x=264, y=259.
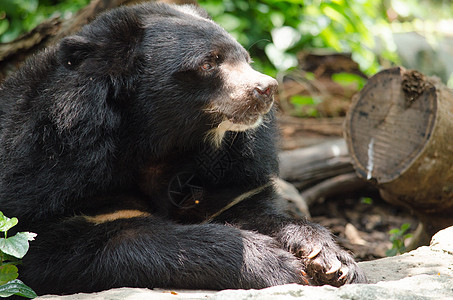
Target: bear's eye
x=207, y=66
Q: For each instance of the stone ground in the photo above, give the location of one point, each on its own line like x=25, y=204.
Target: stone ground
x=425, y=273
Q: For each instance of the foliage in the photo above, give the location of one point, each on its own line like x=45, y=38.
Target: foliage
x=347, y=79
x=408, y=10
x=275, y=31
x=305, y=105
x=19, y=16
x=397, y=237
x=366, y=200
x=12, y=249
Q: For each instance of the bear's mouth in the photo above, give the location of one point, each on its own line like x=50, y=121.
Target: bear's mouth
x=246, y=119
x=235, y=124
x=235, y=119
x=249, y=120
x=216, y=135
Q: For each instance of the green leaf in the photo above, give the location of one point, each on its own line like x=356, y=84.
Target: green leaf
x=229, y=21
x=391, y=252
x=310, y=76
x=17, y=245
x=331, y=38
x=302, y=100
x=366, y=200
x=405, y=227
x=8, y=259
x=7, y=223
x=4, y=25
x=313, y=112
x=408, y=235
x=346, y=79
x=394, y=231
x=16, y=287
x=8, y=273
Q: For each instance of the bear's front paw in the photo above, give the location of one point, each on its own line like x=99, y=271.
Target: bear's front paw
x=325, y=262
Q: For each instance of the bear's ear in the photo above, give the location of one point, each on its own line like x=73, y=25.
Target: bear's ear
x=73, y=50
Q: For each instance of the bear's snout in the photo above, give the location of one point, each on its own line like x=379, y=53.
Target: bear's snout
x=264, y=90
x=248, y=88
x=247, y=96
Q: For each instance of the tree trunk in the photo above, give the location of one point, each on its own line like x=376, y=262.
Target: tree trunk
x=399, y=133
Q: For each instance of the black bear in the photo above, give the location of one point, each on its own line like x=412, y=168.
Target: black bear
x=142, y=151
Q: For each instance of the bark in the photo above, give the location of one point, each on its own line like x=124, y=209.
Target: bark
x=399, y=131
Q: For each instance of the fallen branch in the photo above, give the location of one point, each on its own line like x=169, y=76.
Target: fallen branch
x=341, y=184
x=308, y=166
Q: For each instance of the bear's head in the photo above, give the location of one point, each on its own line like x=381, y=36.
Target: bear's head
x=173, y=75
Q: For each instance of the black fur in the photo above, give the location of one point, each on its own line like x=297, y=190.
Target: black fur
x=122, y=116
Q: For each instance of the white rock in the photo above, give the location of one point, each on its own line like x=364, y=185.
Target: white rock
x=443, y=241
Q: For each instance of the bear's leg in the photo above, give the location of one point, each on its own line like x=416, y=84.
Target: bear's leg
x=78, y=256
x=325, y=262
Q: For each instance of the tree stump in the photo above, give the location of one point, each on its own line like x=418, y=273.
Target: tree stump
x=399, y=132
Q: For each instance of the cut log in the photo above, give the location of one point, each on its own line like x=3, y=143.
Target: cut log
x=399, y=132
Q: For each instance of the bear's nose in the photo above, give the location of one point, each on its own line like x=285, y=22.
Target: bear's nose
x=265, y=90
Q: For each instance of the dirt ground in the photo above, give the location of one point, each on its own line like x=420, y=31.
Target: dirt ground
x=362, y=227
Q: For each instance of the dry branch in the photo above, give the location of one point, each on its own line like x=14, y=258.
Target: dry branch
x=308, y=166
x=341, y=184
